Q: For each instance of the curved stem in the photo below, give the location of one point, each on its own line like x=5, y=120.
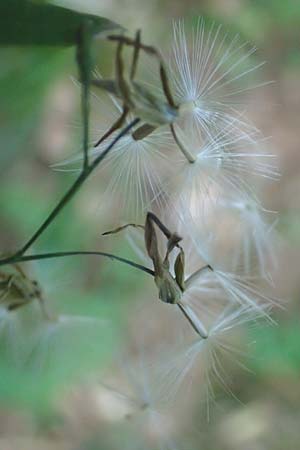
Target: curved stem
x=189, y=281
x=191, y=159
x=21, y=258
x=74, y=188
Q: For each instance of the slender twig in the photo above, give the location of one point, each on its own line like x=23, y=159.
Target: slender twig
x=74, y=188
x=191, y=159
x=135, y=54
x=112, y=144
x=84, y=61
x=189, y=281
x=123, y=227
x=190, y=316
x=21, y=258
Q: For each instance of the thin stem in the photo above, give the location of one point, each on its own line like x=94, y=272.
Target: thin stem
x=123, y=227
x=191, y=159
x=151, y=216
x=60, y=205
x=84, y=61
x=193, y=320
x=21, y=258
x=135, y=54
x=112, y=144
x=115, y=126
x=74, y=188
x=189, y=281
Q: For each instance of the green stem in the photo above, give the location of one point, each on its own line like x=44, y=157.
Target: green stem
x=84, y=61
x=17, y=259
x=74, y=188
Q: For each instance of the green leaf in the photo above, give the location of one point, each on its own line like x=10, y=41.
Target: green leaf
x=25, y=22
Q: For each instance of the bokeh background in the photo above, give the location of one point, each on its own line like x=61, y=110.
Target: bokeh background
x=67, y=406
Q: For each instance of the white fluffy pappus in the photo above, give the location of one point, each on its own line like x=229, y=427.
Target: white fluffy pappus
x=221, y=304
x=137, y=395
x=232, y=231
x=231, y=280
x=28, y=341
x=202, y=361
x=209, y=72
x=14, y=327
x=134, y=171
x=223, y=167
x=61, y=340
x=255, y=234
x=207, y=291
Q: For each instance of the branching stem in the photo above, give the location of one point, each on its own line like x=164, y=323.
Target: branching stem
x=21, y=258
x=70, y=193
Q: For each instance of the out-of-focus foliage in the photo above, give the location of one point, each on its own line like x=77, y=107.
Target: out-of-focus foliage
x=25, y=73
x=283, y=14
x=28, y=22
x=24, y=77
x=277, y=350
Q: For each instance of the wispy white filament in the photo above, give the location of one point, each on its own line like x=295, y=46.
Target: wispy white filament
x=134, y=170
x=208, y=70
x=201, y=359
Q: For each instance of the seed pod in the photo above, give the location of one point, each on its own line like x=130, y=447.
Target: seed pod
x=179, y=270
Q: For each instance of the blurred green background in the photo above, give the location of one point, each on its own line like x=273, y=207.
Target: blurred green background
x=39, y=126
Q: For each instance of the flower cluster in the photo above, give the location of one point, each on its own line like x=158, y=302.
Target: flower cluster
x=202, y=176
x=197, y=162
x=202, y=179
